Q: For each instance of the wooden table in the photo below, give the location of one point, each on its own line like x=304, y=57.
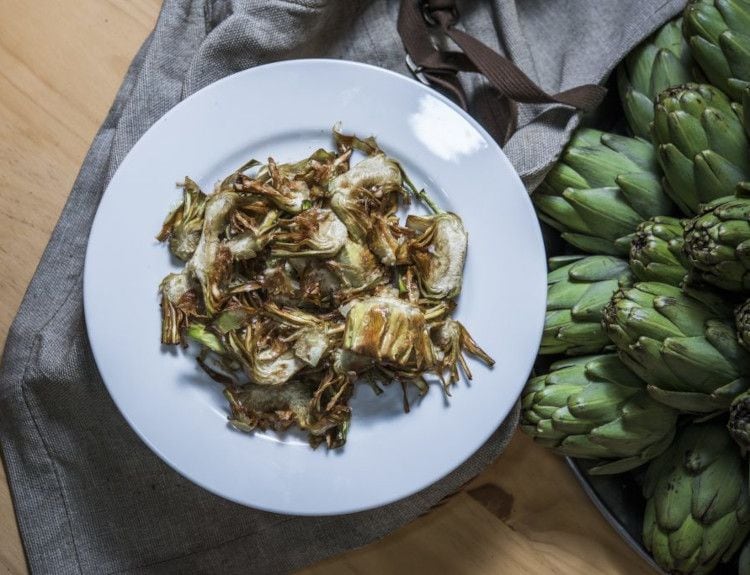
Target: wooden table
x=60, y=66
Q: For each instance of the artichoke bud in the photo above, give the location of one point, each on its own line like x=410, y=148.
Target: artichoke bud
x=656, y=250
x=717, y=243
x=281, y=283
x=739, y=420
x=385, y=239
x=742, y=323
x=314, y=169
x=211, y=262
x=603, y=186
x=313, y=338
x=311, y=345
x=578, y=290
x=682, y=345
x=449, y=340
x=249, y=243
x=593, y=407
x=659, y=62
x=318, y=284
x=702, y=147
x=289, y=195
x=266, y=358
x=717, y=32
x=348, y=362
x=260, y=407
x=697, y=510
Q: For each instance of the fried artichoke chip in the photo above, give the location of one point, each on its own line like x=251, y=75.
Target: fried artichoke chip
x=249, y=244
x=319, y=284
x=315, y=169
x=178, y=303
x=278, y=408
x=212, y=261
x=368, y=181
x=281, y=283
x=389, y=330
x=387, y=240
x=438, y=253
x=450, y=339
x=316, y=232
x=348, y=142
x=357, y=267
x=184, y=224
x=265, y=358
x=291, y=196
x=313, y=338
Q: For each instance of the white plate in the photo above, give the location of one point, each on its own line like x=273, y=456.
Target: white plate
x=287, y=110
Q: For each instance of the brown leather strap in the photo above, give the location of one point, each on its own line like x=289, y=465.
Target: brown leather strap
x=441, y=68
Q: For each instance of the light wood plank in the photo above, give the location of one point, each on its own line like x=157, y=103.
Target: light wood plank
x=61, y=63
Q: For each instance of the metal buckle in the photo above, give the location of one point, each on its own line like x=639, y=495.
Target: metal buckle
x=417, y=71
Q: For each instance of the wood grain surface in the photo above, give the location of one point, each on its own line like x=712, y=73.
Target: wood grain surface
x=61, y=63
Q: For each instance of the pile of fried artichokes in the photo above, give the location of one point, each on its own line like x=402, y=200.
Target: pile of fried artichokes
x=645, y=356
x=300, y=280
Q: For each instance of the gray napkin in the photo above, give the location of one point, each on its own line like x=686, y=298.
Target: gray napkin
x=89, y=495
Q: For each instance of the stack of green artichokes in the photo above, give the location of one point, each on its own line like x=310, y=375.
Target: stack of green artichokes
x=645, y=355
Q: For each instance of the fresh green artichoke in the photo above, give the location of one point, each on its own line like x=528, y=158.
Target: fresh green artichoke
x=683, y=346
x=578, y=288
x=743, y=567
x=594, y=407
x=701, y=145
x=603, y=186
x=697, y=506
x=660, y=62
x=656, y=251
x=742, y=323
x=717, y=243
x=739, y=420
x=718, y=34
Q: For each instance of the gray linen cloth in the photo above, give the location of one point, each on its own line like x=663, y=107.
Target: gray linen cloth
x=89, y=495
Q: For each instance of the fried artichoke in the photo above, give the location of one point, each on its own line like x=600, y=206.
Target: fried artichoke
x=300, y=279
